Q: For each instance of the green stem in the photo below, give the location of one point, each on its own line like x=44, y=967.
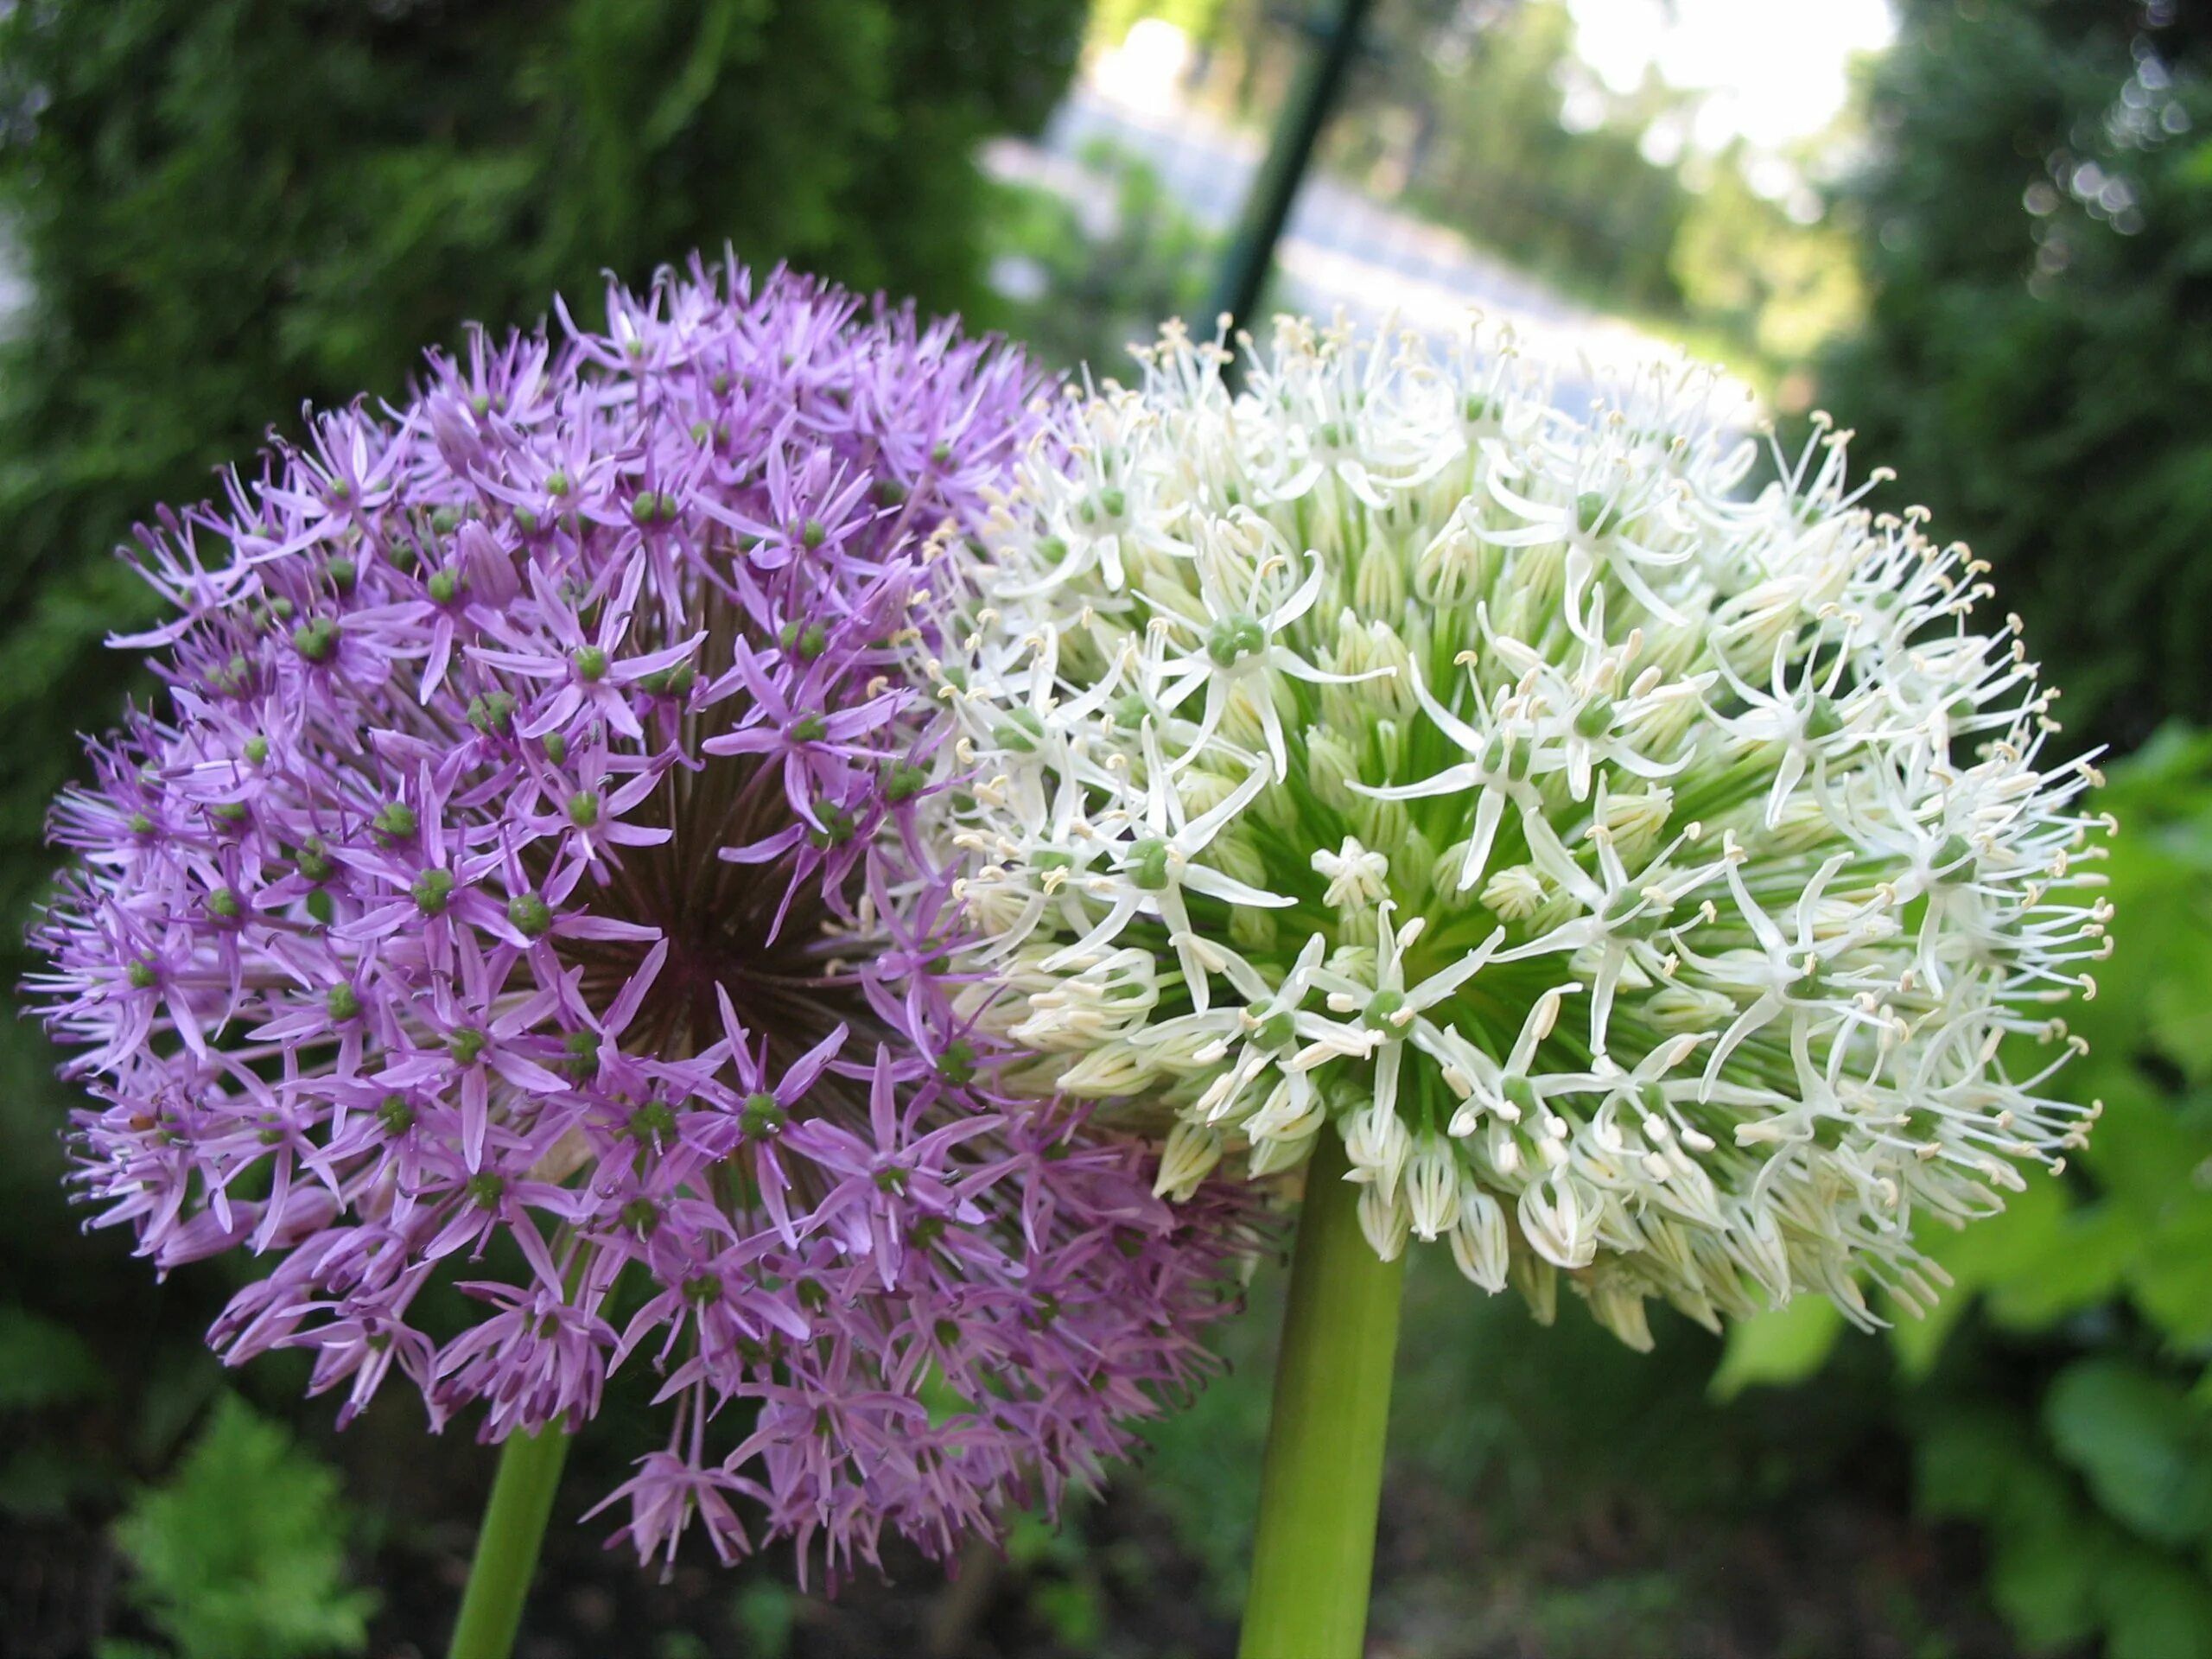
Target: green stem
x=1322, y=1483
x=506, y=1544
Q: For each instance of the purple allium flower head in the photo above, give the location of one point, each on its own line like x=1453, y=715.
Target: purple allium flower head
x=522, y=888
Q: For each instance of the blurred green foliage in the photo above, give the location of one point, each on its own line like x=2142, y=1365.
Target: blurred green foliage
x=2061, y=1395
x=242, y=1551
x=1083, y=279
x=1760, y=280
x=1581, y=204
x=1522, y=147
x=2036, y=240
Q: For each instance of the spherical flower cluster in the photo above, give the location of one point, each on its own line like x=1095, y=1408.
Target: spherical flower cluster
x=1649, y=878
x=522, y=887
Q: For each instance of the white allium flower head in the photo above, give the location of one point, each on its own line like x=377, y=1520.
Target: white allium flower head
x=1653, y=882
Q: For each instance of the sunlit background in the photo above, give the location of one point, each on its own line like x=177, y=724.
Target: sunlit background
x=1978, y=231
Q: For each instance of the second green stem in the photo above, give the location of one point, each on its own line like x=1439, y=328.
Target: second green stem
x=507, y=1544
x=1321, y=1485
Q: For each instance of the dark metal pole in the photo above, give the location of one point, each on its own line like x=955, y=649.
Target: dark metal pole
x=1266, y=205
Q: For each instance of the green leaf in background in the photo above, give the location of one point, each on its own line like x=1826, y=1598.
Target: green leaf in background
x=2078, y=1257
x=42, y=1363
x=767, y=1610
x=1994, y=1254
x=1982, y=1468
x=2156, y=1610
x=2145, y=1450
x=1968, y=1467
x=1786, y=1346
x=2045, y=1582
x=242, y=1553
x=1917, y=1344
x=2170, y=1279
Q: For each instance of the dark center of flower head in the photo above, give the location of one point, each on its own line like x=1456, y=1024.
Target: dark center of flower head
x=532, y=724
x=761, y=932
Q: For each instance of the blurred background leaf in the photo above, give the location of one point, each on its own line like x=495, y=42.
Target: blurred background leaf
x=242, y=1550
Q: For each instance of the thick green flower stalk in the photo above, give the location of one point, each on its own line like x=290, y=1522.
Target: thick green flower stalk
x=1643, y=877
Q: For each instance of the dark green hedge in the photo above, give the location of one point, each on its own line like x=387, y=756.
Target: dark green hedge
x=2037, y=236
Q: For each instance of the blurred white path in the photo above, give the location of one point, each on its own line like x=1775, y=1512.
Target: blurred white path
x=1341, y=249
